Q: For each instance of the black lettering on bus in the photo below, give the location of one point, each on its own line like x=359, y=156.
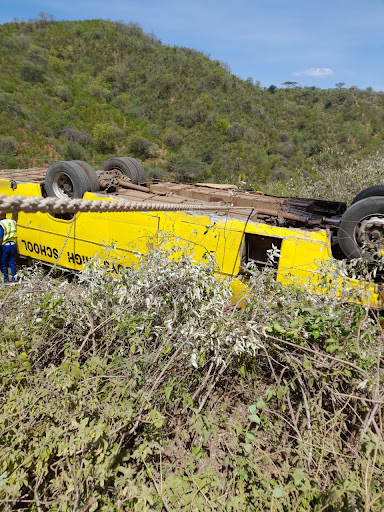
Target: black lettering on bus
x=36, y=248
x=49, y=252
x=55, y=254
x=78, y=259
x=71, y=257
x=43, y=250
x=30, y=247
x=25, y=244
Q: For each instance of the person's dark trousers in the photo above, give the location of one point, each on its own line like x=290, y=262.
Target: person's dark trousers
x=8, y=259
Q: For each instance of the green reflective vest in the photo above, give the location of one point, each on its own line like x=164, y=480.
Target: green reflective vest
x=9, y=227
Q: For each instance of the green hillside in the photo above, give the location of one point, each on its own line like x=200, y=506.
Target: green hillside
x=91, y=89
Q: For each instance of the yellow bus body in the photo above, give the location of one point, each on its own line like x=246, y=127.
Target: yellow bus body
x=122, y=238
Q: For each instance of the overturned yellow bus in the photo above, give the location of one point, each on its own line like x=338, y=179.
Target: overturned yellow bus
x=303, y=233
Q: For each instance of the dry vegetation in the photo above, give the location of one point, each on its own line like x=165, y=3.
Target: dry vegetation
x=339, y=177
x=149, y=392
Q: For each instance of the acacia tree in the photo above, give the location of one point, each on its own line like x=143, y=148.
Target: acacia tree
x=290, y=84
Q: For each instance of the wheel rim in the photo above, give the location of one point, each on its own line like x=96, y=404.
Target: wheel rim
x=62, y=185
x=370, y=232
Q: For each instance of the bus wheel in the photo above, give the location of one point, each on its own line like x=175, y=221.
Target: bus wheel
x=128, y=166
x=91, y=173
x=66, y=180
x=361, y=229
x=376, y=190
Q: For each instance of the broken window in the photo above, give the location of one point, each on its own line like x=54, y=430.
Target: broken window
x=258, y=250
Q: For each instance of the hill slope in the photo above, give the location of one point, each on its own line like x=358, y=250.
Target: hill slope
x=91, y=89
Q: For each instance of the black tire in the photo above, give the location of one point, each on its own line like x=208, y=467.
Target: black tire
x=66, y=180
x=355, y=228
x=91, y=173
x=376, y=190
x=139, y=170
x=128, y=166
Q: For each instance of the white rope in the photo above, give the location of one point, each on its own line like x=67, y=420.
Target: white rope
x=15, y=204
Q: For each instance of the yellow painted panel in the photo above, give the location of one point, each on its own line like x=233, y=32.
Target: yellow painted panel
x=121, y=237
x=201, y=233
x=300, y=259
x=207, y=234
x=300, y=264
x=42, y=237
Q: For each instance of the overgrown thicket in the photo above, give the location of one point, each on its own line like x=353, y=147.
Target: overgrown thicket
x=338, y=176
x=91, y=89
x=150, y=391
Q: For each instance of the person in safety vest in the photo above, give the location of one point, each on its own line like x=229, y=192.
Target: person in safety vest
x=8, y=236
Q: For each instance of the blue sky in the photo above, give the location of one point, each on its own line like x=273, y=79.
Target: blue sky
x=318, y=43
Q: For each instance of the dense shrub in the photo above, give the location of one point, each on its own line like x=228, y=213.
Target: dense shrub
x=156, y=173
x=63, y=93
x=10, y=104
x=80, y=136
x=7, y=145
x=32, y=72
x=148, y=391
x=172, y=138
x=73, y=151
x=235, y=132
x=104, y=137
x=140, y=147
x=340, y=177
x=189, y=169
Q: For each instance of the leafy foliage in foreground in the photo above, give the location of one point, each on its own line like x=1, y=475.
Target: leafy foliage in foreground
x=148, y=391
x=86, y=90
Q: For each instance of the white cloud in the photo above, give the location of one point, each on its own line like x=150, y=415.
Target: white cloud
x=318, y=72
